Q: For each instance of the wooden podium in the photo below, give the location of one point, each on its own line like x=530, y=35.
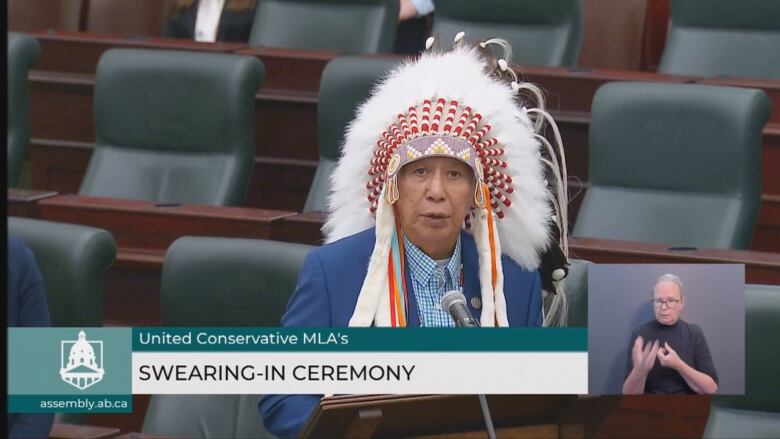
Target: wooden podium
x=459, y=416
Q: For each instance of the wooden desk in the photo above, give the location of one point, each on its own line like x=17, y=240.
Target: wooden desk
x=150, y=227
x=291, y=70
x=653, y=416
x=760, y=267
x=572, y=89
x=79, y=52
x=24, y=203
x=304, y=228
x=143, y=231
x=457, y=416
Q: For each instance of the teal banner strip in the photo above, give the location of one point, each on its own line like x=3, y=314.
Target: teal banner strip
x=202, y=339
x=70, y=404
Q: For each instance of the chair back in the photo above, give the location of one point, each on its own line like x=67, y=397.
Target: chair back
x=344, y=26
x=346, y=82
x=676, y=164
x=173, y=126
x=723, y=38
x=544, y=33
x=757, y=413
x=228, y=282
x=72, y=260
x=23, y=52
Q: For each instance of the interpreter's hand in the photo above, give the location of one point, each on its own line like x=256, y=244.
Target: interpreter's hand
x=644, y=357
x=668, y=357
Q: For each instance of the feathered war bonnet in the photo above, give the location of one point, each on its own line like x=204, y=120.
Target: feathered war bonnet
x=469, y=105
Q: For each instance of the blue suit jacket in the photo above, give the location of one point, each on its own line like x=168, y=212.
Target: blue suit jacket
x=328, y=287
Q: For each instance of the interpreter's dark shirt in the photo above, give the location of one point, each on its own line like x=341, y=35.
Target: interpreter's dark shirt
x=687, y=339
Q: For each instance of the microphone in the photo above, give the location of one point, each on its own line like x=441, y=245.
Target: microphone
x=454, y=302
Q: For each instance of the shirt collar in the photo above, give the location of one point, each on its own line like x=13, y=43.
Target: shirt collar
x=422, y=267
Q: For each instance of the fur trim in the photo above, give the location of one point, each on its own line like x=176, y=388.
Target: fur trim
x=373, y=302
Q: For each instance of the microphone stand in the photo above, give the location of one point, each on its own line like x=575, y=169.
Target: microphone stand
x=454, y=302
x=486, y=414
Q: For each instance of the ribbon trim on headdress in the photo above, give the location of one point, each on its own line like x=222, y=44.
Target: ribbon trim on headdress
x=399, y=304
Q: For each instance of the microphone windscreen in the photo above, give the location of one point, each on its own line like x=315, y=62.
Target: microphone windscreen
x=450, y=298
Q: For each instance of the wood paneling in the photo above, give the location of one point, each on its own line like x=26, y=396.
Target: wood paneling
x=24, y=203
x=149, y=226
x=137, y=17
x=658, y=416
x=656, y=26
x=612, y=34
x=42, y=15
x=79, y=52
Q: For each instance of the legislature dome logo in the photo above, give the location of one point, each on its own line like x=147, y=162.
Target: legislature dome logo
x=84, y=365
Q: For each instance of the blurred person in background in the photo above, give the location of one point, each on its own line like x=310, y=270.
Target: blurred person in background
x=211, y=20
x=415, y=21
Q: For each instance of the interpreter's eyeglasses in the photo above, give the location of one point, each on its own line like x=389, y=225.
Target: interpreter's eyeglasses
x=670, y=303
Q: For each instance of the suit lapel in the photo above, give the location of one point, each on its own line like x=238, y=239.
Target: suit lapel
x=470, y=260
x=191, y=18
x=224, y=16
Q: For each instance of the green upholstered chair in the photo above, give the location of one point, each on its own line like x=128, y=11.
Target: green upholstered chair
x=221, y=282
x=72, y=260
x=23, y=52
x=577, y=293
x=173, y=126
x=676, y=164
x=205, y=416
x=545, y=33
x=345, y=26
x=228, y=281
x=346, y=82
x=757, y=413
x=723, y=38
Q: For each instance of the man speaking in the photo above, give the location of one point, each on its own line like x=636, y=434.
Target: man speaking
x=442, y=185
x=669, y=355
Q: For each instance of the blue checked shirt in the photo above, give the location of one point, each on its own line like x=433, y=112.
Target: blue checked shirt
x=430, y=282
